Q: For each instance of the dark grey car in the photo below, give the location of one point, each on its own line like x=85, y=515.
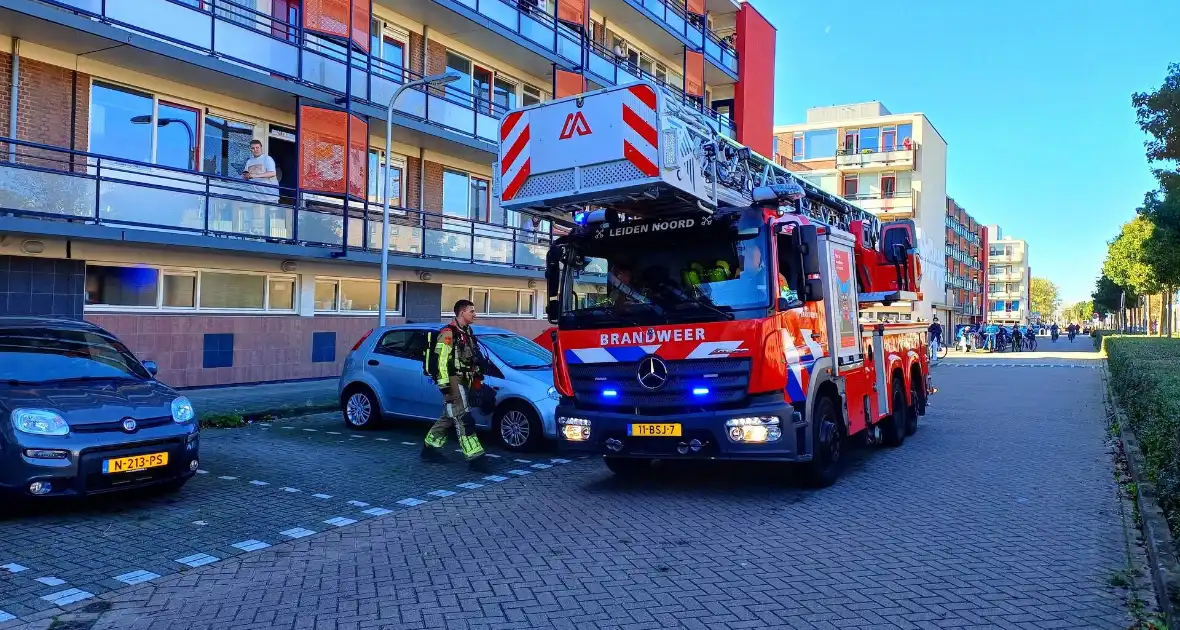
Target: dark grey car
x=79, y=414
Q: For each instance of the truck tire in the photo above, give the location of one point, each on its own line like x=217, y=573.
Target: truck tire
x=628, y=466
x=917, y=405
x=827, y=438
x=893, y=429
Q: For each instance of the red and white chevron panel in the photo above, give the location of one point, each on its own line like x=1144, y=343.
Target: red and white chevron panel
x=641, y=140
x=515, y=162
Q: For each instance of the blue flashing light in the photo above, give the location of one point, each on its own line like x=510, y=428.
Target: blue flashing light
x=580, y=218
x=610, y=393
x=700, y=391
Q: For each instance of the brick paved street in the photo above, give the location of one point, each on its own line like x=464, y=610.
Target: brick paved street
x=1000, y=512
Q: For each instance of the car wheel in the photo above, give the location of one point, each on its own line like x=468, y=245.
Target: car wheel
x=518, y=428
x=360, y=408
x=628, y=466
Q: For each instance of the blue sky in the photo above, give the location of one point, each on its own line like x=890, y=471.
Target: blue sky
x=1033, y=99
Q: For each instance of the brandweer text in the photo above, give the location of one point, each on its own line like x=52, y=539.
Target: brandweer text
x=650, y=336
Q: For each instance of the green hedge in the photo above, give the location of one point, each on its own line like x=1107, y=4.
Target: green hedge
x=1145, y=374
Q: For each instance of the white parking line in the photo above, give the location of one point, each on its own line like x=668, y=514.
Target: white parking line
x=409, y=443
x=523, y=461
x=471, y=485
x=496, y=478
x=68, y=596
x=519, y=473
x=202, y=472
x=356, y=436
x=410, y=502
x=377, y=511
x=382, y=439
x=227, y=478
x=558, y=460
x=13, y=567
x=297, y=532
x=250, y=545
x=259, y=483
x=197, y=559
x=311, y=430
x=322, y=496
x=137, y=577
x=493, y=455
x=288, y=427
x=289, y=489
x=441, y=493
x=358, y=504
x=542, y=466
x=51, y=581
x=340, y=521
x=334, y=433
x=6, y=616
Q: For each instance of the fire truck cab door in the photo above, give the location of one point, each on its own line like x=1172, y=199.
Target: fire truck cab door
x=843, y=313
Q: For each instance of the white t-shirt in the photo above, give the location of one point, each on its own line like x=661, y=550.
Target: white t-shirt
x=259, y=165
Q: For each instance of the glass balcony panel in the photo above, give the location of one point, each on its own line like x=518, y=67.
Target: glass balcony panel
x=248, y=44
x=568, y=45
x=321, y=227
x=404, y=239
x=93, y=6
x=321, y=70
x=251, y=218
x=500, y=12
x=451, y=114
x=126, y=200
x=49, y=192
x=712, y=50
x=486, y=127
x=537, y=31
x=451, y=239
x=160, y=17
x=603, y=66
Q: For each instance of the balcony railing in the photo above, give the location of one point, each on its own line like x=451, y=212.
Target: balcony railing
x=673, y=16
x=537, y=26
x=54, y=183
x=607, y=67
x=883, y=157
x=906, y=194
x=271, y=46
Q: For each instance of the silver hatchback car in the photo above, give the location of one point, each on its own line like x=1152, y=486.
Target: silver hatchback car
x=383, y=378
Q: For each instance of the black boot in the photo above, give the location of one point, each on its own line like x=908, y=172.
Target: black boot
x=433, y=455
x=480, y=464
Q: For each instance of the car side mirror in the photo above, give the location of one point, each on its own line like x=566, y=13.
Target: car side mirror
x=151, y=367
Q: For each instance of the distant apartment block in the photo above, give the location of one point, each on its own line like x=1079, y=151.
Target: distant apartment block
x=1008, y=278
x=966, y=265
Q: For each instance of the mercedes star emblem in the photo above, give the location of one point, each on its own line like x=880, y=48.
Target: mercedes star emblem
x=653, y=373
x=129, y=425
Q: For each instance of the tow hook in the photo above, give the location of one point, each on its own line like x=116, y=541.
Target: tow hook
x=930, y=388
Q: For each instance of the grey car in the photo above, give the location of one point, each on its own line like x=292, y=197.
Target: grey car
x=80, y=415
x=383, y=377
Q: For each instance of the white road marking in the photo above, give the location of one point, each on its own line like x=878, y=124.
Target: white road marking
x=377, y=511
x=358, y=503
x=51, y=581
x=197, y=559
x=334, y=433
x=288, y=427
x=202, y=472
x=297, y=532
x=137, y=577
x=322, y=496
x=13, y=567
x=410, y=502
x=523, y=461
x=356, y=436
x=250, y=545
x=471, y=485
x=519, y=473
x=542, y=466
x=289, y=489
x=558, y=460
x=441, y=493
x=493, y=455
x=200, y=522
x=6, y=616
x=311, y=430
x=382, y=439
x=227, y=478
x=68, y=596
x=259, y=483
x=496, y=478
x=340, y=521
x=410, y=443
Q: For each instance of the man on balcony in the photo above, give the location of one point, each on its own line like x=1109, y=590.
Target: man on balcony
x=261, y=169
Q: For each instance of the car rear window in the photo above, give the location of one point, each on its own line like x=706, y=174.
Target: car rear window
x=51, y=354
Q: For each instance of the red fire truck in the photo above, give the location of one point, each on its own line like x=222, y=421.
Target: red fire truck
x=707, y=304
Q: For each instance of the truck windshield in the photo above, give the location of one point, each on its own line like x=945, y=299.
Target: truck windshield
x=705, y=274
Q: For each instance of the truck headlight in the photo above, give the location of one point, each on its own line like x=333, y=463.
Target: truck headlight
x=754, y=429
x=39, y=422
x=182, y=410
x=574, y=429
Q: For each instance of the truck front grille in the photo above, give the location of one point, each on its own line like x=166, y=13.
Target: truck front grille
x=719, y=383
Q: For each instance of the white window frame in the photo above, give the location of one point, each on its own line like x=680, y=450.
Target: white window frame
x=398, y=289
x=198, y=273
x=198, y=133
x=482, y=309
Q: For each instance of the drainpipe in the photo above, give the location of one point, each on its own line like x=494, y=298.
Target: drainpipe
x=14, y=98
x=422, y=183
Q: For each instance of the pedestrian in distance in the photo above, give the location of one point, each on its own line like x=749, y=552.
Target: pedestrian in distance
x=457, y=368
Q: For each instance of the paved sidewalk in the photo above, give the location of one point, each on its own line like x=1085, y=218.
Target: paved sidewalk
x=269, y=399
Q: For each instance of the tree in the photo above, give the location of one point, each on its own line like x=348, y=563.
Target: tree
x=1107, y=295
x=1044, y=296
x=1158, y=115
x=1162, y=249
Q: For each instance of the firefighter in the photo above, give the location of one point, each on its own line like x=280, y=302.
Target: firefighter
x=459, y=372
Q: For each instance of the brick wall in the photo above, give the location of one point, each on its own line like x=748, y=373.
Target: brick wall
x=265, y=348
x=45, y=102
x=416, y=53
x=410, y=197
x=436, y=60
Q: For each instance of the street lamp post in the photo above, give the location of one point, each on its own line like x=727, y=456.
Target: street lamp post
x=432, y=80
x=146, y=119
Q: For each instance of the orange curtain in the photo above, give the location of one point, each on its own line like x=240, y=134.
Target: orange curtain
x=360, y=24
x=694, y=73
x=321, y=149
x=696, y=6
x=328, y=17
x=568, y=84
x=572, y=11
x=358, y=156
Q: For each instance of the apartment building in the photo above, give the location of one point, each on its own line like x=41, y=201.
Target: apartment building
x=893, y=165
x=127, y=126
x=1008, y=278
x=966, y=260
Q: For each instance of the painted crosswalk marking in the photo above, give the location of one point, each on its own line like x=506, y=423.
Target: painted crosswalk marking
x=297, y=532
x=411, y=502
x=197, y=559
x=340, y=521
x=137, y=577
x=441, y=493
x=377, y=511
x=251, y=545
x=68, y=596
x=51, y=581
x=471, y=485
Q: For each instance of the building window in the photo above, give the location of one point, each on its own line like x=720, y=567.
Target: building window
x=504, y=94
x=797, y=146
x=469, y=197
x=180, y=290
x=869, y=138
x=227, y=146
x=117, y=287
x=851, y=141
x=820, y=143
x=124, y=121
x=888, y=138
x=531, y=95
x=376, y=192
x=851, y=186
x=492, y=302
x=232, y=290
x=346, y=295
x=888, y=185
x=121, y=286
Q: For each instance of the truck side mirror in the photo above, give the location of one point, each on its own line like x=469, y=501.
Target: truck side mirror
x=813, y=289
x=553, y=311
x=809, y=247
x=553, y=283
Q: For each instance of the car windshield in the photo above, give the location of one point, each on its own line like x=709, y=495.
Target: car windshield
x=43, y=355
x=519, y=353
x=707, y=273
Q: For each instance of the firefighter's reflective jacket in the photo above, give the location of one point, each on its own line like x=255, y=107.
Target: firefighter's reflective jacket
x=457, y=356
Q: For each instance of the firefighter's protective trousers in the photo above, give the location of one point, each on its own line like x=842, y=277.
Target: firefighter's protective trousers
x=456, y=370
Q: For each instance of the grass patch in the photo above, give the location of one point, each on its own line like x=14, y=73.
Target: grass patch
x=1145, y=374
x=222, y=421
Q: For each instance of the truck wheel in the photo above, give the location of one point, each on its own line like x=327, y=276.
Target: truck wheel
x=893, y=430
x=827, y=439
x=917, y=407
x=628, y=466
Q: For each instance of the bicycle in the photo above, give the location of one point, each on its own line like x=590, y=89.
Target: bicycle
x=937, y=350
x=1030, y=344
